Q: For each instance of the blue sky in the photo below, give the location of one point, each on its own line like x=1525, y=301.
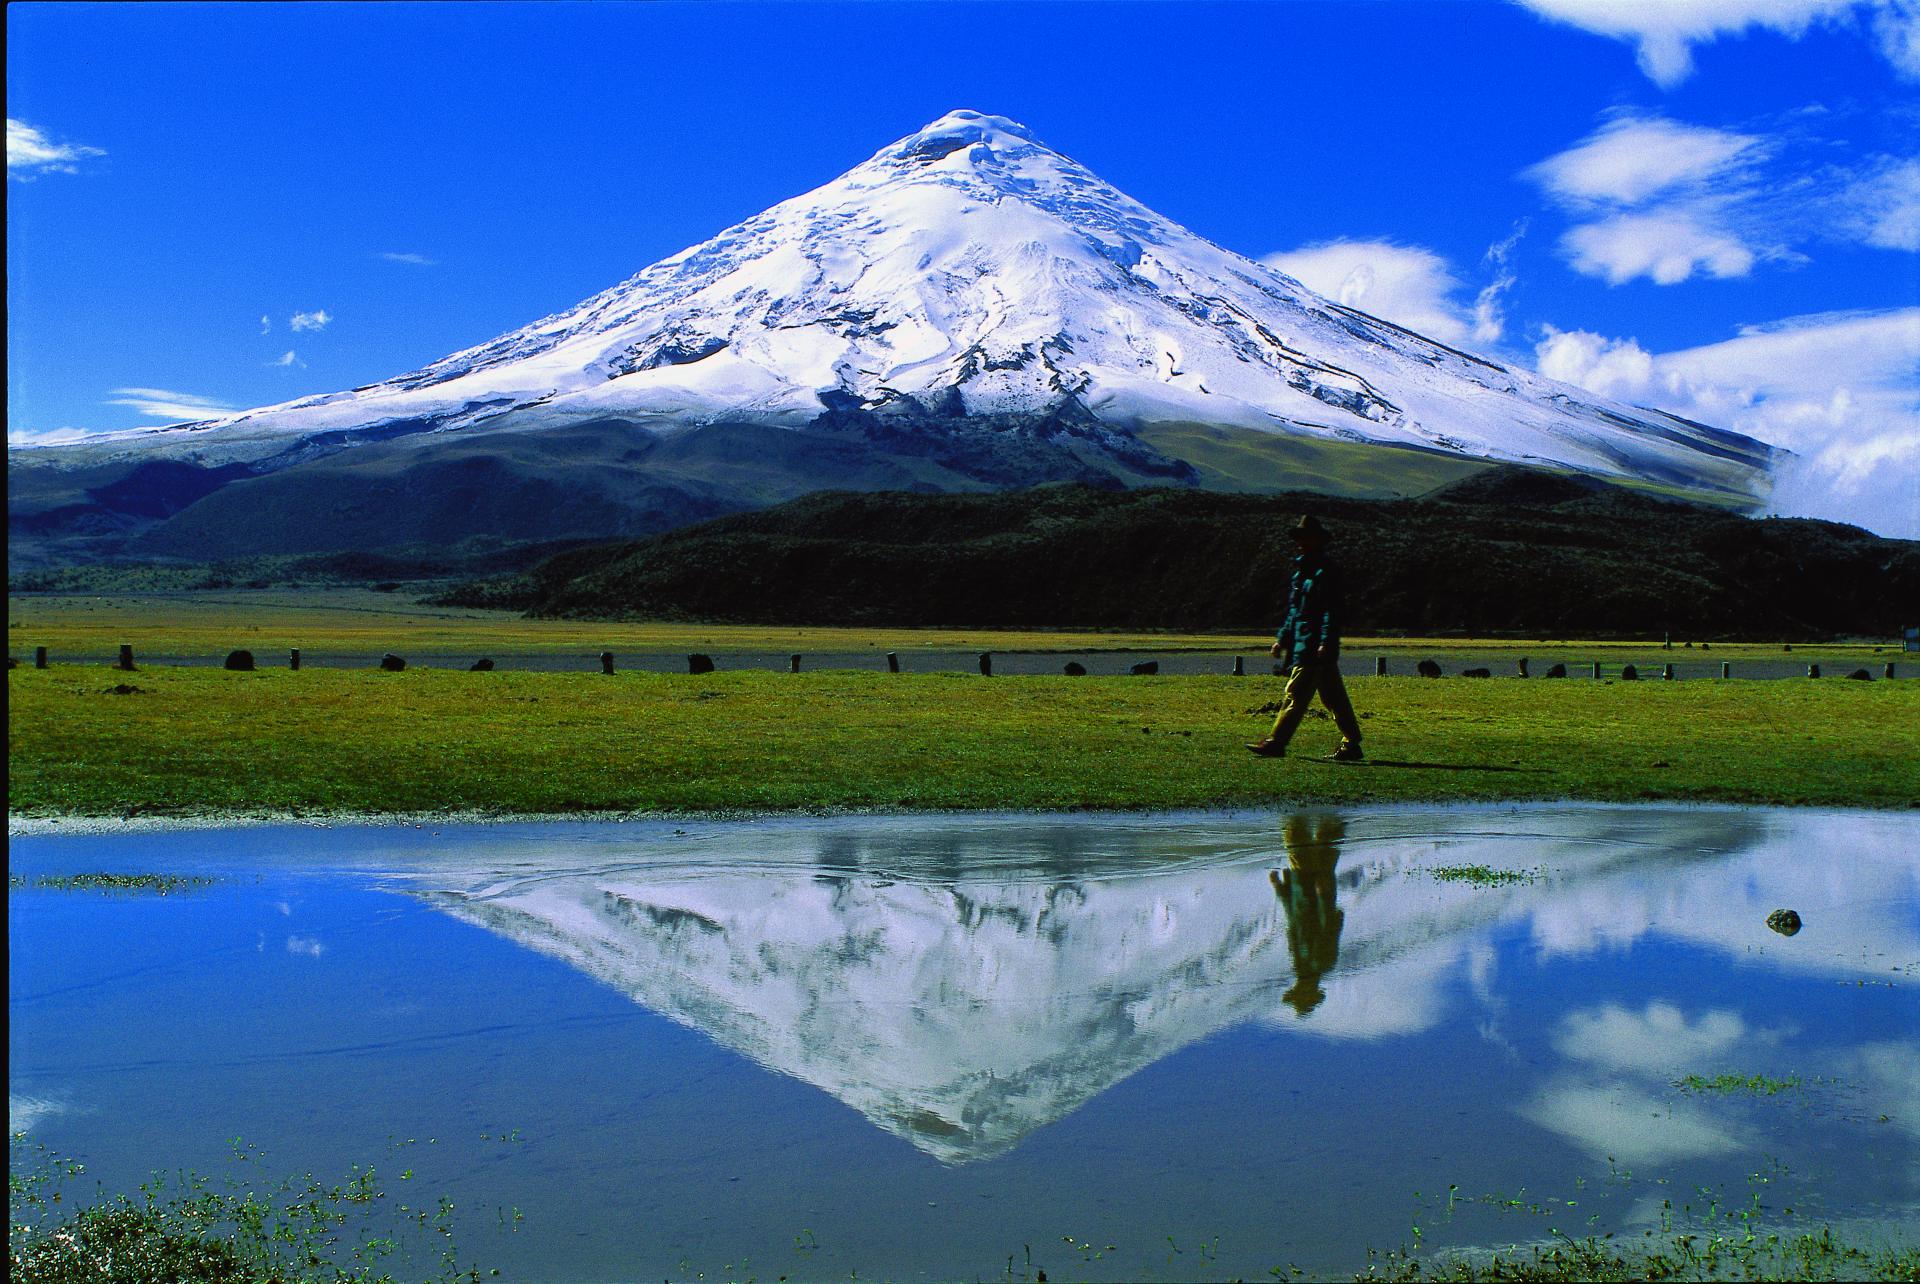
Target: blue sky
x=1708, y=205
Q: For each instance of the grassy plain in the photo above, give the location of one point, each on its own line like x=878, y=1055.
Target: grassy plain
x=269, y=621
x=200, y=741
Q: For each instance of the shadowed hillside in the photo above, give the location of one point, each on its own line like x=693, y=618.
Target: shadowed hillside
x=1507, y=551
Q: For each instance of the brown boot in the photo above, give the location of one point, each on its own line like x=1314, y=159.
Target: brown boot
x=1268, y=748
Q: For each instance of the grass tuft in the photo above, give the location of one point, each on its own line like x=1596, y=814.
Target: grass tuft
x=155, y=884
x=1483, y=875
x=1759, y=1085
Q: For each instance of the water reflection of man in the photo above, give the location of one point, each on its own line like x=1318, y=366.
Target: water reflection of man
x=1308, y=895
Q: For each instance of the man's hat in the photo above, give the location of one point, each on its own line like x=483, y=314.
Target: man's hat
x=1309, y=527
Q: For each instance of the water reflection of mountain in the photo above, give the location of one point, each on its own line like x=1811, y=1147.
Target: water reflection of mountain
x=962, y=983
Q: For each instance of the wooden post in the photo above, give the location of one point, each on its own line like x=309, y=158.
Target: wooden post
x=606, y=662
x=126, y=658
x=1726, y=670
x=39, y=657
x=1239, y=666
x=986, y=664
x=1889, y=670
x=293, y=659
x=1379, y=666
x=1813, y=670
x=1596, y=670
x=1523, y=666
x=1666, y=672
x=893, y=662
x=793, y=663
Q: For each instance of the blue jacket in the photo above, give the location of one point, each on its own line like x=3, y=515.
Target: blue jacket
x=1313, y=609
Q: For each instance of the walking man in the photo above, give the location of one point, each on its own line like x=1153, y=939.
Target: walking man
x=1308, y=647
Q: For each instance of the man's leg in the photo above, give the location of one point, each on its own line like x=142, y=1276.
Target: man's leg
x=1293, y=705
x=1333, y=694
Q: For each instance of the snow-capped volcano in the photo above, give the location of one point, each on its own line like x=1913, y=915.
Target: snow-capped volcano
x=968, y=274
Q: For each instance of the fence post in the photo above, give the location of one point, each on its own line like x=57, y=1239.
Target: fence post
x=606, y=662
x=1379, y=666
x=1523, y=666
x=793, y=663
x=293, y=659
x=1596, y=670
x=1666, y=672
x=1813, y=670
x=126, y=657
x=39, y=657
x=986, y=664
x=1240, y=666
x=1889, y=670
x=1726, y=670
x=893, y=662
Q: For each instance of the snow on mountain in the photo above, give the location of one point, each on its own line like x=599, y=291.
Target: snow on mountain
x=969, y=269
x=962, y=985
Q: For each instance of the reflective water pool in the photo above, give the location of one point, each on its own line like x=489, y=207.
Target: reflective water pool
x=1191, y=1046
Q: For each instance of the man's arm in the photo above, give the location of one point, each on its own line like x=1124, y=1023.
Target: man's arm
x=1282, y=648
x=1327, y=623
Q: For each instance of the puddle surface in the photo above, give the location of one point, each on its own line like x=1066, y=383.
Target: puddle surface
x=973, y=1047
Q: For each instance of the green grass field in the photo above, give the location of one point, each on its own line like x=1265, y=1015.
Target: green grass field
x=203, y=741
x=270, y=621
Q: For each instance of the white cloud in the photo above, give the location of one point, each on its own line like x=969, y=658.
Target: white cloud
x=1658, y=1041
x=1665, y=200
x=1628, y=1124
x=1840, y=390
x=166, y=404
x=45, y=436
x=1888, y=1067
x=24, y=1113
x=266, y=325
x=306, y=945
x=1617, y=368
x=1665, y=31
x=1668, y=201
x=1404, y=284
x=1378, y=1003
x=30, y=152
x=417, y=260
x=1634, y=157
x=1897, y=27
x=1408, y=285
x=315, y=320
x=1666, y=247
x=1884, y=205
x=1489, y=321
x=288, y=359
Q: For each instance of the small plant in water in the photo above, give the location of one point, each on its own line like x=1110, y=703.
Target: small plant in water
x=1483, y=875
x=155, y=884
x=186, y=1227
x=1759, y=1085
x=1708, y=1243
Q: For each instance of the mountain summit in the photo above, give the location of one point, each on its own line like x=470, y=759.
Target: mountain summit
x=966, y=308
